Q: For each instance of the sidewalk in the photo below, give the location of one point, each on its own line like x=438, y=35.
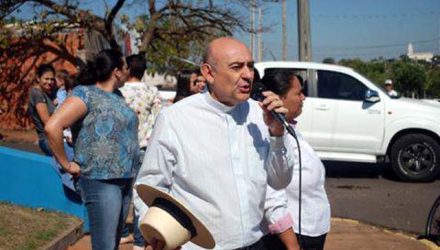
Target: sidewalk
x=344, y=234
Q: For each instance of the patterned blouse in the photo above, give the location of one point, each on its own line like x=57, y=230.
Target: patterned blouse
x=144, y=100
x=106, y=143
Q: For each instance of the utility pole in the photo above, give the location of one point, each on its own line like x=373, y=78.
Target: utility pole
x=252, y=23
x=304, y=37
x=259, y=37
x=284, y=31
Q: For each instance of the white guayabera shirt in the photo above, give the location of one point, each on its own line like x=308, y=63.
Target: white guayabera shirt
x=217, y=160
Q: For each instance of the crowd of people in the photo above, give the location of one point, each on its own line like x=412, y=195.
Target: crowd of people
x=219, y=152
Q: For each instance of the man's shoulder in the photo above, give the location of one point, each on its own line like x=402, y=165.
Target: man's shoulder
x=186, y=104
x=138, y=86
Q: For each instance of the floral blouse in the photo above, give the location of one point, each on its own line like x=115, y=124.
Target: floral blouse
x=106, y=142
x=144, y=100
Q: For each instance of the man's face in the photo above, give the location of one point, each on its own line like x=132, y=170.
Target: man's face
x=294, y=99
x=388, y=87
x=231, y=77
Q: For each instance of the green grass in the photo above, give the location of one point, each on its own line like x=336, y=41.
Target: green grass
x=25, y=228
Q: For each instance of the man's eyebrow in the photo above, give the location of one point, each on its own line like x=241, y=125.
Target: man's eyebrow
x=242, y=62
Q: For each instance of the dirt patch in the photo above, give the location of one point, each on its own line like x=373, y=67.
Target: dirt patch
x=10, y=135
x=26, y=228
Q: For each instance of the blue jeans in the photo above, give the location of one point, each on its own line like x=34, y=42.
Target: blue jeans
x=44, y=146
x=107, y=203
x=137, y=234
x=66, y=178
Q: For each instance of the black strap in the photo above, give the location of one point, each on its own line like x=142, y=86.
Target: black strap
x=177, y=213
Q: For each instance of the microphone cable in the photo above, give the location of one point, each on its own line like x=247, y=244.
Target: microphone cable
x=256, y=94
x=292, y=133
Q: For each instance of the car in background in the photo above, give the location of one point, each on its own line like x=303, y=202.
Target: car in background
x=346, y=117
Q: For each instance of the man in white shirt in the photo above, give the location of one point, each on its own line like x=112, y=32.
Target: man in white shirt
x=216, y=151
x=390, y=89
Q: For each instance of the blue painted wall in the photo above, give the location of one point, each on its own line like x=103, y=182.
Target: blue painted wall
x=28, y=179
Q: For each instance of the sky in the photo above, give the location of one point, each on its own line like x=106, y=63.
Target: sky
x=365, y=29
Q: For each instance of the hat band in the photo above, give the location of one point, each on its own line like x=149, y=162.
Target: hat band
x=177, y=214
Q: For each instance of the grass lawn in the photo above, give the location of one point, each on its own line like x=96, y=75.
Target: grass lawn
x=25, y=228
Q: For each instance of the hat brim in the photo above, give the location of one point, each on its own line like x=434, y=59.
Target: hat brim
x=203, y=238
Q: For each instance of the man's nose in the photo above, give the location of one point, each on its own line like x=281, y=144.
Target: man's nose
x=247, y=72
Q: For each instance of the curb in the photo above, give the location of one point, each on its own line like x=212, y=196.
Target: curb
x=68, y=237
x=431, y=245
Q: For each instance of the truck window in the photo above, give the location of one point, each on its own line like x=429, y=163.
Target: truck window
x=334, y=85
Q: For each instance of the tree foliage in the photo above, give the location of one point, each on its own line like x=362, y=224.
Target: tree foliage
x=411, y=78
x=171, y=32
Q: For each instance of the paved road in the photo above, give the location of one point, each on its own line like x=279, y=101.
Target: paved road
x=358, y=191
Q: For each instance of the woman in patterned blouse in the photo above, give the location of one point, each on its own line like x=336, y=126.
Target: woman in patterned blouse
x=106, y=145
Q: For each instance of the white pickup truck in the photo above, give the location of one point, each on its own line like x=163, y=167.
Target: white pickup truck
x=346, y=117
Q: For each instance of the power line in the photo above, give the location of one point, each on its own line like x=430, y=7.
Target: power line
x=376, y=46
x=380, y=16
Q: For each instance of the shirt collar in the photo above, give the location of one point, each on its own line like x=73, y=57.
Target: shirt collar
x=216, y=104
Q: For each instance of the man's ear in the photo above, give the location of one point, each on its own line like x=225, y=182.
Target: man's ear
x=117, y=73
x=207, y=72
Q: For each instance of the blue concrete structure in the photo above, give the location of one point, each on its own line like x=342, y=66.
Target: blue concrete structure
x=29, y=180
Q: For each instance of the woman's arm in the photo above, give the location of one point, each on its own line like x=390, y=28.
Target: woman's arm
x=289, y=240
x=70, y=111
x=43, y=112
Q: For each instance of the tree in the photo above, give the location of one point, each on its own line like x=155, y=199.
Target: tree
x=182, y=29
x=171, y=29
x=374, y=70
x=433, y=86
x=329, y=60
x=409, y=77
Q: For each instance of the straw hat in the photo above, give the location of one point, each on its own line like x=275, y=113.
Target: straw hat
x=170, y=221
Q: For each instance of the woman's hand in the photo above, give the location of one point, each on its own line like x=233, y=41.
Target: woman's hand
x=73, y=169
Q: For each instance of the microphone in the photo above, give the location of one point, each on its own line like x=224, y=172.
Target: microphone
x=257, y=94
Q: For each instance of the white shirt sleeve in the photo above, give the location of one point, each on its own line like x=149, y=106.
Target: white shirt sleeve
x=158, y=164
x=280, y=163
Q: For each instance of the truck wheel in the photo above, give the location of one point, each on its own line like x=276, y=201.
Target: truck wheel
x=415, y=157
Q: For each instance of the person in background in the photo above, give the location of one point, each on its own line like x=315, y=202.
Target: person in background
x=217, y=151
x=144, y=100
x=390, y=89
x=315, y=211
x=40, y=106
x=65, y=85
x=62, y=76
x=104, y=130
x=189, y=82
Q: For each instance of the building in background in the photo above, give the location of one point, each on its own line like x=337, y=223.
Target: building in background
x=423, y=56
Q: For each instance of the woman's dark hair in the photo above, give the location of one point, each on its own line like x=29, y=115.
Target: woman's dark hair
x=43, y=68
x=101, y=68
x=183, y=84
x=278, y=80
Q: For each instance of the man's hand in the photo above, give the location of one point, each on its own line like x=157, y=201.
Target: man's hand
x=273, y=102
x=156, y=244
